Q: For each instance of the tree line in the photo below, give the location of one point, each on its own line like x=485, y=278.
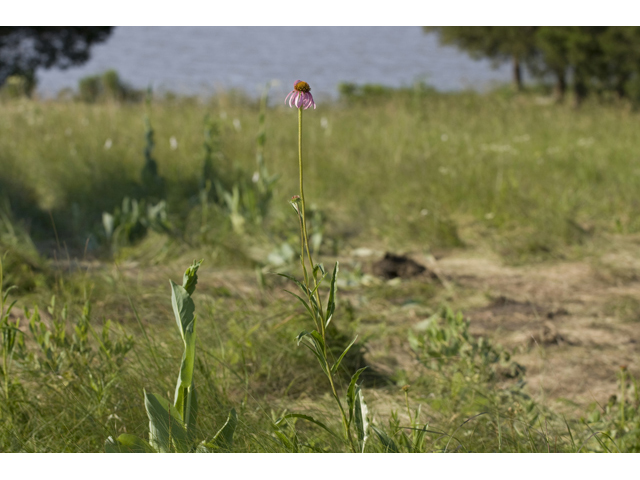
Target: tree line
x=588, y=60
x=25, y=49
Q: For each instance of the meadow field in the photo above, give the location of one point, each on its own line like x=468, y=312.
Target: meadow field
x=521, y=334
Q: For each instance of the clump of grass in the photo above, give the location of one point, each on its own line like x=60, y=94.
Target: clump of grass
x=107, y=87
x=625, y=308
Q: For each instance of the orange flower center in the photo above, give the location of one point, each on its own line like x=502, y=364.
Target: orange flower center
x=302, y=87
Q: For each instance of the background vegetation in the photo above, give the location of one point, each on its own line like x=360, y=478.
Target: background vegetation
x=593, y=60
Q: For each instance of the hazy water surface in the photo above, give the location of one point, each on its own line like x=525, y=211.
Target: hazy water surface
x=202, y=59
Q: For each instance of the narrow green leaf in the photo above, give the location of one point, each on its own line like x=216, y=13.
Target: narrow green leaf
x=304, y=289
x=315, y=348
x=183, y=307
x=387, y=442
x=296, y=443
x=320, y=349
x=319, y=267
x=306, y=305
x=351, y=392
x=165, y=424
x=6, y=292
x=315, y=335
x=307, y=291
x=223, y=440
x=10, y=307
x=418, y=444
x=301, y=336
x=405, y=439
x=127, y=443
x=573, y=444
x=331, y=304
x=334, y=369
x=285, y=441
x=318, y=283
x=361, y=416
x=307, y=418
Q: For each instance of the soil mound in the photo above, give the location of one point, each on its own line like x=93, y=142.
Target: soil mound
x=394, y=266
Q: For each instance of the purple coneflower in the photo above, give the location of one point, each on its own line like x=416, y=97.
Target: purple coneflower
x=300, y=96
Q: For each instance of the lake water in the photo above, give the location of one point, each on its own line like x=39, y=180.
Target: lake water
x=201, y=60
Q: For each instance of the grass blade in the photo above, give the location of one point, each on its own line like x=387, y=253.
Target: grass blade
x=387, y=442
x=334, y=369
x=127, y=443
x=309, y=419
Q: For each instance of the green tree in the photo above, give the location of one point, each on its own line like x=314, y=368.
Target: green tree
x=585, y=59
x=500, y=44
x=620, y=66
x=24, y=49
x=594, y=59
x=553, y=57
x=599, y=59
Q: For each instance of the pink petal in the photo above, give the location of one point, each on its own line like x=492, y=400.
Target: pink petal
x=308, y=101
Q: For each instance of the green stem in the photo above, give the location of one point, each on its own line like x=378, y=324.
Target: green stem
x=345, y=422
x=318, y=321
x=305, y=246
x=623, y=382
x=5, y=374
x=406, y=400
x=304, y=229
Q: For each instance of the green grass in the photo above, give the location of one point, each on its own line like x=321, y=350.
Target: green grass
x=406, y=172
x=529, y=179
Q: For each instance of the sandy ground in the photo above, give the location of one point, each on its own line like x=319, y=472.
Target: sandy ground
x=574, y=324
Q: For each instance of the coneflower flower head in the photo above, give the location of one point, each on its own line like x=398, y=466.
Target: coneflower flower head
x=300, y=96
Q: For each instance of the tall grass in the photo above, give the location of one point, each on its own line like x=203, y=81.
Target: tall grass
x=435, y=170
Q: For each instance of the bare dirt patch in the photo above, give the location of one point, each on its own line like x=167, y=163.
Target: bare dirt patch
x=562, y=319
